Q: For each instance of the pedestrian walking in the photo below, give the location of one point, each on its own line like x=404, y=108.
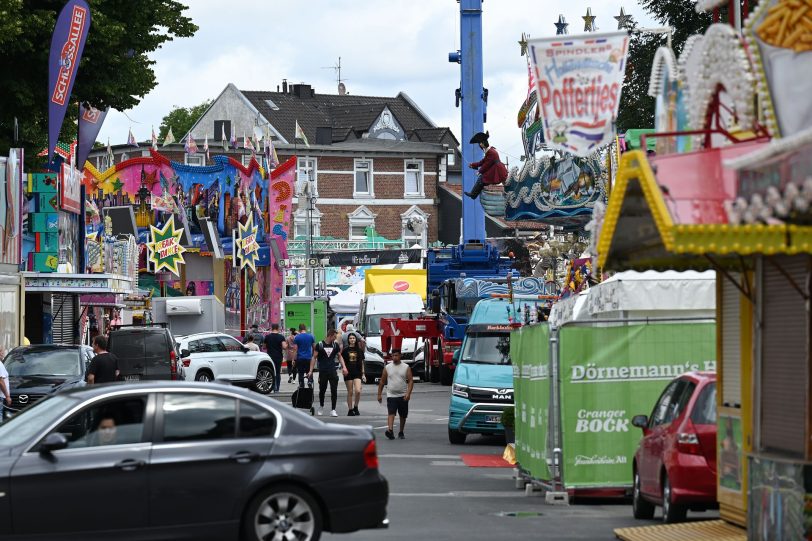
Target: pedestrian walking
x=258, y=336
x=328, y=354
x=305, y=344
x=291, y=353
x=397, y=378
x=353, y=356
x=351, y=330
x=276, y=345
x=5, y=388
x=104, y=366
x=250, y=345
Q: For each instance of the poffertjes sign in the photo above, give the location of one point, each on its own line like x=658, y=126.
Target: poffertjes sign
x=578, y=84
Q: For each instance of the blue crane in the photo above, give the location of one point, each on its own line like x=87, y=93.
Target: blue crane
x=474, y=99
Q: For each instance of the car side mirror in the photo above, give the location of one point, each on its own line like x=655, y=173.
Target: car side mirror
x=53, y=442
x=185, y=353
x=640, y=421
x=244, y=349
x=456, y=357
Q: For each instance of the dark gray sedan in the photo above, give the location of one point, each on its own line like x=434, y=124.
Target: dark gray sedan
x=183, y=461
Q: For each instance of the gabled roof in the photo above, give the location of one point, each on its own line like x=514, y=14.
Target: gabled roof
x=432, y=135
x=340, y=111
x=672, y=221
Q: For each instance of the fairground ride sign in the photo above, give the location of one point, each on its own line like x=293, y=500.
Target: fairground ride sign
x=578, y=82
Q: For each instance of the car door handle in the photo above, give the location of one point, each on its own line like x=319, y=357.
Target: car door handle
x=244, y=457
x=129, y=464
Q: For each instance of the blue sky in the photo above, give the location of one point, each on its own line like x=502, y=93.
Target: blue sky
x=386, y=46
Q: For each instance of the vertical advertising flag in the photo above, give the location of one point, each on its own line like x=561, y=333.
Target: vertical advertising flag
x=578, y=83
x=90, y=122
x=67, y=44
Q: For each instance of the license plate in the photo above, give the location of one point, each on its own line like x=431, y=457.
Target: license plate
x=134, y=377
x=493, y=418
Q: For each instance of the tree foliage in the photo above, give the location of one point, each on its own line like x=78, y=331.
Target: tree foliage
x=115, y=70
x=181, y=120
x=636, y=106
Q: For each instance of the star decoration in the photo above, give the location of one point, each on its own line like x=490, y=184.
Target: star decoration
x=117, y=185
x=523, y=44
x=561, y=26
x=165, y=250
x=247, y=243
x=589, y=21
x=623, y=20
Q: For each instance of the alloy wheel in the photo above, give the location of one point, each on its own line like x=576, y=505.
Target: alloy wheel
x=284, y=516
x=203, y=376
x=264, y=382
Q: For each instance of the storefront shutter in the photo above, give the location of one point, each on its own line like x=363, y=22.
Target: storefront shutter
x=785, y=357
x=731, y=342
x=62, y=309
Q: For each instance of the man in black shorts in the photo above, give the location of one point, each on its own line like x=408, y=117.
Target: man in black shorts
x=397, y=377
x=276, y=345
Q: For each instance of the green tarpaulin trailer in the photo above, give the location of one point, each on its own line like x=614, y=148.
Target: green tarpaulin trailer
x=603, y=357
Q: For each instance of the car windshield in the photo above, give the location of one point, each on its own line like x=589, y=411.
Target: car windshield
x=374, y=322
x=486, y=348
x=32, y=420
x=44, y=362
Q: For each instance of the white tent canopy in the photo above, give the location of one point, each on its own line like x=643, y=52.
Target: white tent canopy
x=648, y=294
x=348, y=301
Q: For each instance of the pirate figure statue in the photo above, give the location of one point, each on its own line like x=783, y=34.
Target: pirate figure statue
x=490, y=169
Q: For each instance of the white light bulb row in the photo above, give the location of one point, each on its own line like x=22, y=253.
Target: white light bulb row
x=772, y=208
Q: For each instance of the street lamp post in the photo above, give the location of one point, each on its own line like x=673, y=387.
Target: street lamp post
x=311, y=202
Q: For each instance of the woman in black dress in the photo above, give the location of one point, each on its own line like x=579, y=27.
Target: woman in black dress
x=353, y=356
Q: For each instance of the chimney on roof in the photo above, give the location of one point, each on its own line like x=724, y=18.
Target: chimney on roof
x=342, y=90
x=285, y=86
x=302, y=90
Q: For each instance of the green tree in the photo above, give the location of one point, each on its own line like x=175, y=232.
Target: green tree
x=115, y=69
x=181, y=120
x=636, y=107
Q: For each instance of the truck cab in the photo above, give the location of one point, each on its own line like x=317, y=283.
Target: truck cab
x=377, y=306
x=483, y=379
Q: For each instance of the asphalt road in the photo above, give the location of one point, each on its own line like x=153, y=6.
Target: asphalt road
x=434, y=495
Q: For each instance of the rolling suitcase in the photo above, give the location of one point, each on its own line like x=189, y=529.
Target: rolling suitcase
x=302, y=397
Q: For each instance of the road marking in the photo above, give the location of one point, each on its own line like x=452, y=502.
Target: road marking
x=442, y=419
x=435, y=457
x=462, y=494
x=447, y=463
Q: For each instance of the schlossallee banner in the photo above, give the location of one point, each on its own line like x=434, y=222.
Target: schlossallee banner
x=611, y=374
x=578, y=83
x=67, y=44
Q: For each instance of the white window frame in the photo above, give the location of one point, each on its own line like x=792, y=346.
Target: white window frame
x=193, y=159
x=452, y=158
x=360, y=217
x=370, y=193
x=421, y=179
x=302, y=169
x=300, y=222
x=407, y=237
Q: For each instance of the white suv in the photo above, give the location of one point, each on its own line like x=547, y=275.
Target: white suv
x=209, y=356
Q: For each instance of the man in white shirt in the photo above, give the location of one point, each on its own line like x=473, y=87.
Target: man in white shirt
x=397, y=377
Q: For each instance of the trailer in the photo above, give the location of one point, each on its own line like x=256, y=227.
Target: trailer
x=189, y=315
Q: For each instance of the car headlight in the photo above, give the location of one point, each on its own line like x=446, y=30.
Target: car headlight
x=459, y=390
x=375, y=350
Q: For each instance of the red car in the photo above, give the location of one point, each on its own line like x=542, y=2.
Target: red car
x=675, y=463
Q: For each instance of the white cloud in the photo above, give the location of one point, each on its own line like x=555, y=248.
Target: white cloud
x=385, y=47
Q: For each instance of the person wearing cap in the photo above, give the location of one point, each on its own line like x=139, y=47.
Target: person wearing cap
x=351, y=330
x=490, y=169
x=397, y=377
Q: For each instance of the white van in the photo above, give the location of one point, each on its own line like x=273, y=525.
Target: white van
x=377, y=306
